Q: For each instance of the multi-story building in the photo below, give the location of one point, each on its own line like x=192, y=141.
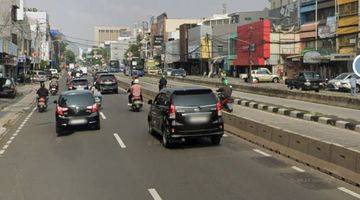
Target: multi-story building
x=118, y=49
x=103, y=34
x=217, y=19
x=41, y=40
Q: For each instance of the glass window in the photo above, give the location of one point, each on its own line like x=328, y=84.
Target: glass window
x=76, y=100
x=194, y=98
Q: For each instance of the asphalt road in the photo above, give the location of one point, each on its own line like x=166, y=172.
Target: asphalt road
x=93, y=165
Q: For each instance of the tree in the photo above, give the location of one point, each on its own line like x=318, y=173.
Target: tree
x=70, y=56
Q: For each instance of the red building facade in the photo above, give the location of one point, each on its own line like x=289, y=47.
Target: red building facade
x=255, y=36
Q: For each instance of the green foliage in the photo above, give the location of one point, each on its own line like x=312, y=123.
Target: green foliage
x=70, y=56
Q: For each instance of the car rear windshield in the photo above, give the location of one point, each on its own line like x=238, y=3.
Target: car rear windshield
x=107, y=77
x=311, y=75
x=76, y=100
x=194, y=98
x=41, y=73
x=80, y=82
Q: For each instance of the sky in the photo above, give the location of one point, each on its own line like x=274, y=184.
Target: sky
x=77, y=18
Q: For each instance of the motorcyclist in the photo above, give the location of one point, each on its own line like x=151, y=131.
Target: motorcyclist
x=42, y=92
x=225, y=90
x=135, y=91
x=162, y=82
x=54, y=83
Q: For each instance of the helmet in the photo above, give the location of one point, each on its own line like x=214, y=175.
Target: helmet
x=136, y=81
x=225, y=81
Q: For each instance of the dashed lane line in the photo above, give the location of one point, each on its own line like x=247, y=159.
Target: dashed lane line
x=349, y=192
x=262, y=153
x=155, y=195
x=119, y=140
x=297, y=169
x=102, y=116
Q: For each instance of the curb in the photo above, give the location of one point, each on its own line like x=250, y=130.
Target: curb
x=336, y=122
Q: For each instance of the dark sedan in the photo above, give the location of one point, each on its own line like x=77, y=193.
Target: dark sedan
x=76, y=108
x=7, y=88
x=107, y=83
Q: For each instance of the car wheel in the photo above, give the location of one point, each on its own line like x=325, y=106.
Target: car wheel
x=116, y=91
x=150, y=129
x=276, y=80
x=166, y=140
x=97, y=126
x=215, y=140
x=317, y=90
x=59, y=130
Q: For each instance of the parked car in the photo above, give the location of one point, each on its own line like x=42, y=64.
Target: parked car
x=54, y=73
x=38, y=76
x=107, y=83
x=335, y=83
x=344, y=84
x=79, y=84
x=180, y=113
x=168, y=71
x=264, y=75
x=7, y=88
x=178, y=73
x=306, y=80
x=76, y=108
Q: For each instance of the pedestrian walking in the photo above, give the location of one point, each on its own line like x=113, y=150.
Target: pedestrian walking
x=353, y=85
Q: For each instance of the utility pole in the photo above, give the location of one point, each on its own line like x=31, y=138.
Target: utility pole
x=316, y=24
x=36, y=45
x=250, y=50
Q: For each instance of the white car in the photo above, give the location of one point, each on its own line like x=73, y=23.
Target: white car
x=264, y=75
x=84, y=70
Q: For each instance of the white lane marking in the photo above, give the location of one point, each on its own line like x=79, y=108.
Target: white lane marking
x=5, y=146
x=9, y=142
x=13, y=137
x=102, y=115
x=225, y=135
x=347, y=191
x=2, y=152
x=297, y=169
x=15, y=134
x=118, y=139
x=262, y=153
x=155, y=195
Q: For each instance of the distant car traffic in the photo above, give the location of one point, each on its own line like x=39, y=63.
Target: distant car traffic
x=264, y=75
x=138, y=73
x=84, y=70
x=178, y=73
x=79, y=84
x=107, y=83
x=180, y=113
x=97, y=74
x=168, y=71
x=307, y=80
x=54, y=73
x=76, y=108
x=7, y=88
x=38, y=76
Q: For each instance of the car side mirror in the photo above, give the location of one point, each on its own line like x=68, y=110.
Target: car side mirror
x=150, y=102
x=55, y=102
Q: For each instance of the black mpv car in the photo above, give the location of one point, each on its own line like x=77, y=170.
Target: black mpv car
x=179, y=113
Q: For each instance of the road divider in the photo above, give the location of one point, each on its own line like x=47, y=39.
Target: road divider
x=329, y=157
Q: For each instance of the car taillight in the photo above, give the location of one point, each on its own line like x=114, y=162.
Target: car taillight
x=172, y=112
x=218, y=108
x=60, y=110
x=93, y=108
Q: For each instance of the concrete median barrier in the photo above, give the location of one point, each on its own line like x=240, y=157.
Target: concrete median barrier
x=328, y=99
x=342, y=162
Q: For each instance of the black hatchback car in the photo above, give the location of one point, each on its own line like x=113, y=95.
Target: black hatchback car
x=76, y=108
x=107, y=83
x=180, y=113
x=7, y=88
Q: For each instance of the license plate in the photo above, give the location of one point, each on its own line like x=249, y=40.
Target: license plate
x=78, y=121
x=108, y=83
x=198, y=119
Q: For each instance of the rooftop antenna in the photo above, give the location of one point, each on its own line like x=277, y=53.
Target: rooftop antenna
x=224, y=8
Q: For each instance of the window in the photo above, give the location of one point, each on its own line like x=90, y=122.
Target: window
x=247, y=18
x=194, y=98
x=220, y=49
x=76, y=99
x=348, y=9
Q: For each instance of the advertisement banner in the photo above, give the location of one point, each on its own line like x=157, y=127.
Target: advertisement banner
x=329, y=29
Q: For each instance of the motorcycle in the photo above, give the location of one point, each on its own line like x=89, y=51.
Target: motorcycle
x=41, y=104
x=53, y=90
x=161, y=87
x=227, y=104
x=136, y=104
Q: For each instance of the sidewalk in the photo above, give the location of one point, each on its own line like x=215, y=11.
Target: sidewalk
x=314, y=108
x=13, y=110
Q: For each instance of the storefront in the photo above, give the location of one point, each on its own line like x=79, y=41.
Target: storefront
x=8, y=58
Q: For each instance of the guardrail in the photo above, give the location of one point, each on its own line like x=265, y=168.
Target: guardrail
x=331, y=158
x=341, y=101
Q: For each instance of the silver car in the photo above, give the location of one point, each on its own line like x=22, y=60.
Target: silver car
x=342, y=82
